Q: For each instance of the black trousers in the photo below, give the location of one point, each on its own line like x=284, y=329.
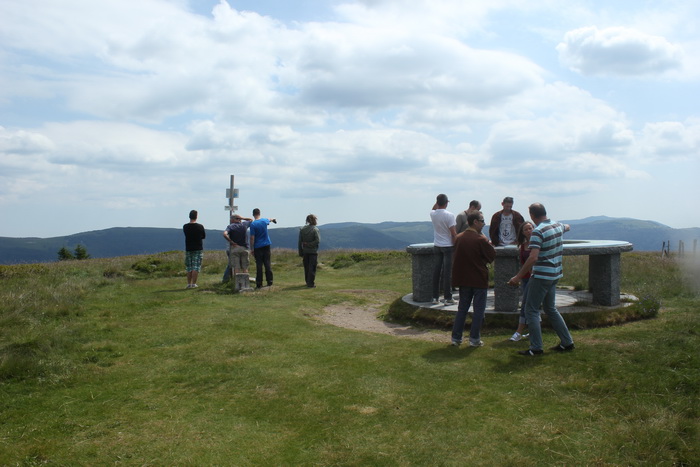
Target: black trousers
x=310, y=263
x=262, y=258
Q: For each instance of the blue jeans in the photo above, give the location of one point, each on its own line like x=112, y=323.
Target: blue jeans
x=466, y=295
x=227, y=270
x=443, y=267
x=522, y=319
x=542, y=293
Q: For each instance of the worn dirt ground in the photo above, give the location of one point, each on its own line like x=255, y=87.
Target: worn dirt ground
x=364, y=318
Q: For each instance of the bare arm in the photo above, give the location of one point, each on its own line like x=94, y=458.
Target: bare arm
x=534, y=253
x=228, y=239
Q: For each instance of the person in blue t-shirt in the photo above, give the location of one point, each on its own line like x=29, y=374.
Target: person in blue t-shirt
x=260, y=245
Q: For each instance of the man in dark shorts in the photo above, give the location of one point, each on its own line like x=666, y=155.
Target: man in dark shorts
x=194, y=246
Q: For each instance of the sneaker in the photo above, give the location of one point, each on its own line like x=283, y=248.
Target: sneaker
x=561, y=348
x=449, y=301
x=531, y=352
x=475, y=344
x=436, y=301
x=516, y=337
x=456, y=343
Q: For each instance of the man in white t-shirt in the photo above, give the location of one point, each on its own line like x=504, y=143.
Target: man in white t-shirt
x=444, y=234
x=504, y=226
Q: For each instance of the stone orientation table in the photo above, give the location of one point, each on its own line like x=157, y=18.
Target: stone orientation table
x=603, y=271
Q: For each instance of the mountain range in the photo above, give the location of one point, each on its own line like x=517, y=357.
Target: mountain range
x=122, y=241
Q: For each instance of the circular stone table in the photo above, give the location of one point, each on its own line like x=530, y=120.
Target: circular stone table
x=603, y=271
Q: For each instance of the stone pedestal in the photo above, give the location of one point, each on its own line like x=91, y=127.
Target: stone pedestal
x=242, y=282
x=505, y=266
x=604, y=279
x=422, y=264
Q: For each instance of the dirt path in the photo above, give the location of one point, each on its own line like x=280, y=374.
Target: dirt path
x=364, y=318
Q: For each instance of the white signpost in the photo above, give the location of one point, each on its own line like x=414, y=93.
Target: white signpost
x=231, y=194
x=240, y=280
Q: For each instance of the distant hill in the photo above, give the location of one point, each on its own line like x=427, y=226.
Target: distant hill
x=122, y=241
x=644, y=235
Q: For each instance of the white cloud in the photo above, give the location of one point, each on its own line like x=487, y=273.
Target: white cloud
x=618, y=51
x=23, y=142
x=669, y=141
x=561, y=121
x=143, y=107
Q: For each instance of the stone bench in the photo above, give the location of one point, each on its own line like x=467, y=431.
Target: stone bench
x=603, y=271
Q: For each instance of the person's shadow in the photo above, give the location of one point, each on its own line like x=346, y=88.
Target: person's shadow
x=449, y=353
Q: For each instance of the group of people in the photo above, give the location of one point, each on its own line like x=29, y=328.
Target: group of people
x=246, y=234
x=463, y=254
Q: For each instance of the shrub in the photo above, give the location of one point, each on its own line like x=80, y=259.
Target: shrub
x=64, y=254
x=18, y=360
x=163, y=264
x=345, y=260
x=649, y=306
x=81, y=252
x=23, y=270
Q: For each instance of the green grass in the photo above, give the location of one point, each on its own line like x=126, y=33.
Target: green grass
x=114, y=362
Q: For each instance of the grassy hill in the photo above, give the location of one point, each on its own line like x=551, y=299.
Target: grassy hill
x=120, y=241
x=113, y=361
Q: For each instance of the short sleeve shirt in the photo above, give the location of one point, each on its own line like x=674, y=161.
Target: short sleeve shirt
x=442, y=221
x=507, y=230
x=237, y=233
x=548, y=237
x=194, y=236
x=258, y=228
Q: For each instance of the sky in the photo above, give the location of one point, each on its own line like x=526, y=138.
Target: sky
x=130, y=113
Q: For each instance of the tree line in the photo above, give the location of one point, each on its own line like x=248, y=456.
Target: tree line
x=80, y=252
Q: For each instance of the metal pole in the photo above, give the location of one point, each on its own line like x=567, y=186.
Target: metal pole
x=230, y=200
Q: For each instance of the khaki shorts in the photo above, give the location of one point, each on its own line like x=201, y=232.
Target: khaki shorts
x=238, y=258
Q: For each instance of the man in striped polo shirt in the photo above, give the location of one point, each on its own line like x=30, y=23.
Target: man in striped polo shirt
x=546, y=246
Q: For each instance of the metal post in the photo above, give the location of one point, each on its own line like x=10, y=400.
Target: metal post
x=230, y=199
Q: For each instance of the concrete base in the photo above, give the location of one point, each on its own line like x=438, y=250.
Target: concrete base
x=603, y=271
x=242, y=282
x=566, y=302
